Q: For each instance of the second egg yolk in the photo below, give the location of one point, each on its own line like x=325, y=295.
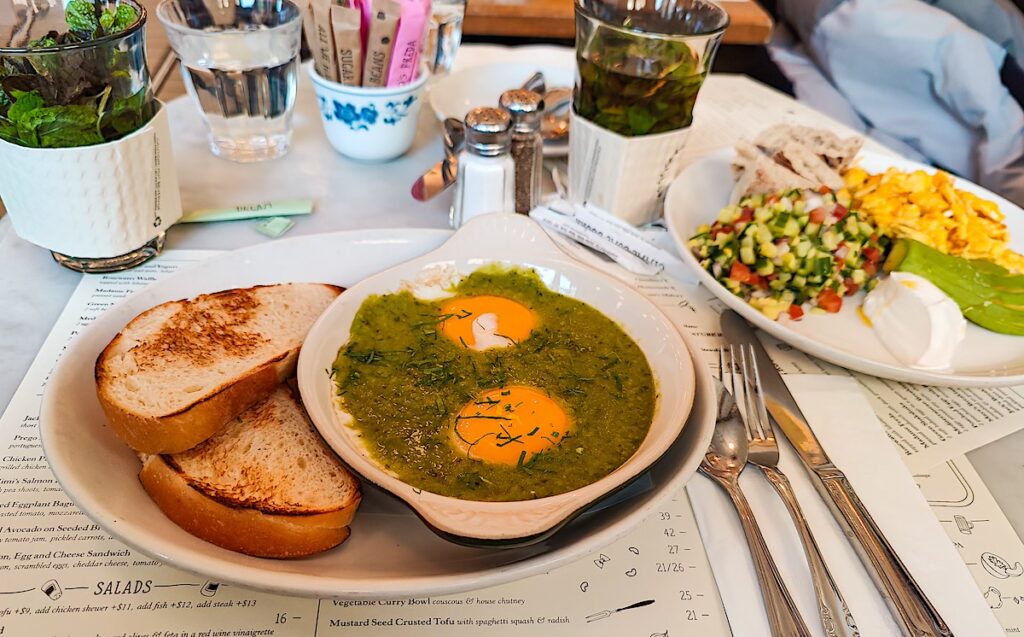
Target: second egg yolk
x=482, y=322
x=509, y=425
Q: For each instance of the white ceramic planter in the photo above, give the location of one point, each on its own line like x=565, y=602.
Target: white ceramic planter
x=625, y=176
x=94, y=201
x=369, y=123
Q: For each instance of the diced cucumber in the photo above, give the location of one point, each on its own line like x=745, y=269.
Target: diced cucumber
x=792, y=228
x=765, y=267
x=812, y=228
x=769, y=250
x=764, y=235
x=799, y=281
x=789, y=261
x=727, y=214
x=747, y=255
x=859, y=276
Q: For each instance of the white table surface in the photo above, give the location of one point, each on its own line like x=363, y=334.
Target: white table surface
x=348, y=195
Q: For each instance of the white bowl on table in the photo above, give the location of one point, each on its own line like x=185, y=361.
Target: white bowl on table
x=369, y=123
x=517, y=241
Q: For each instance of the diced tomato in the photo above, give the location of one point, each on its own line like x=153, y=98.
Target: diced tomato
x=758, y=281
x=841, y=251
x=824, y=190
x=839, y=211
x=722, y=229
x=746, y=214
x=830, y=301
x=739, y=272
x=851, y=286
x=874, y=237
x=818, y=215
x=771, y=198
x=870, y=268
x=874, y=255
x=796, y=312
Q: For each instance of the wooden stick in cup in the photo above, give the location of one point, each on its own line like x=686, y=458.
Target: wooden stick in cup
x=379, y=44
x=348, y=44
x=323, y=58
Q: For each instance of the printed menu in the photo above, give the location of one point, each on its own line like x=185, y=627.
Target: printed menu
x=61, y=575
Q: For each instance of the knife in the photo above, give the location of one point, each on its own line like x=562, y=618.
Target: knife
x=437, y=179
x=908, y=603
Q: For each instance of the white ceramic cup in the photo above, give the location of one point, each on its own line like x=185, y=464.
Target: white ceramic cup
x=369, y=123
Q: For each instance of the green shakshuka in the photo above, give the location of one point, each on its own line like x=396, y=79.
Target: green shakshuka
x=503, y=391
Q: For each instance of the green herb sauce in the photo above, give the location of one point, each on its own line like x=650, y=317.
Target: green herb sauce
x=403, y=382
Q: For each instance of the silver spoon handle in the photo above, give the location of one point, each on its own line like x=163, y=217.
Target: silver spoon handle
x=836, y=618
x=783, y=616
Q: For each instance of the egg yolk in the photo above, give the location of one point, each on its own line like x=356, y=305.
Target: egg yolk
x=483, y=322
x=509, y=425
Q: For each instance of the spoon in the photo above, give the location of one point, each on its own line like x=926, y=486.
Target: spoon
x=725, y=459
x=554, y=126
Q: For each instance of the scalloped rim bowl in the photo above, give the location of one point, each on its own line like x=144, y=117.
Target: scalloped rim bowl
x=512, y=240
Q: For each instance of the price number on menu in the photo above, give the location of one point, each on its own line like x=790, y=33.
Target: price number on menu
x=670, y=567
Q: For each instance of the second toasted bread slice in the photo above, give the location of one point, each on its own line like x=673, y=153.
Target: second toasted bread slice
x=177, y=373
x=266, y=485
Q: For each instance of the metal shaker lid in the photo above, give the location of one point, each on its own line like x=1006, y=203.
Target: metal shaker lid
x=488, y=131
x=525, y=107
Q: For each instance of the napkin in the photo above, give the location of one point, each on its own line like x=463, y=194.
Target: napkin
x=845, y=424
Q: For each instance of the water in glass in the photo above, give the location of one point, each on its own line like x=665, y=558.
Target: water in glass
x=243, y=75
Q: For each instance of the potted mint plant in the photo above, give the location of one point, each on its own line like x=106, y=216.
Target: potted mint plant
x=81, y=135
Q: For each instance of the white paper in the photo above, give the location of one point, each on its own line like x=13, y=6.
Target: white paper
x=979, y=530
x=62, y=575
x=843, y=420
x=94, y=201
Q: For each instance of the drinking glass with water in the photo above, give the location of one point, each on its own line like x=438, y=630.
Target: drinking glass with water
x=240, y=61
x=444, y=35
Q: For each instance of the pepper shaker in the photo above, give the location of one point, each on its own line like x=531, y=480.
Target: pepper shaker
x=526, y=108
x=486, y=173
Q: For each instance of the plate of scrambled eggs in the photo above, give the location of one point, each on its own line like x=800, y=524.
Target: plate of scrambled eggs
x=894, y=269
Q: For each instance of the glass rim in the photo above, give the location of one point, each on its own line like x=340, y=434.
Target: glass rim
x=187, y=30
x=139, y=23
x=582, y=9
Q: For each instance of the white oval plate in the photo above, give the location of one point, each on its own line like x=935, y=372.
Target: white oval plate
x=390, y=553
x=516, y=241
x=483, y=84
x=983, y=359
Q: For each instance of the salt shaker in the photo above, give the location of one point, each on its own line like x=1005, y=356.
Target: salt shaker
x=484, y=182
x=526, y=108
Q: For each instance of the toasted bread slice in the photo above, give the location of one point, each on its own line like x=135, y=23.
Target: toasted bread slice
x=180, y=371
x=265, y=485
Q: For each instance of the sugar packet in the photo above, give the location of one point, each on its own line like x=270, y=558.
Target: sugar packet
x=412, y=28
x=323, y=57
x=378, y=43
x=348, y=44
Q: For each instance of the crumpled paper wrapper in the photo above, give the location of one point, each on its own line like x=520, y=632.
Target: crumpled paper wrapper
x=626, y=176
x=93, y=201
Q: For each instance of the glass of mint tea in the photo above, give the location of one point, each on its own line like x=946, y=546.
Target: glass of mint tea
x=640, y=64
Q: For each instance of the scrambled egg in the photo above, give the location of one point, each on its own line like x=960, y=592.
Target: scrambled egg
x=927, y=207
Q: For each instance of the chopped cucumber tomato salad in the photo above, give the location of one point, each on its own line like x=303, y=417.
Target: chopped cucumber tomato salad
x=784, y=251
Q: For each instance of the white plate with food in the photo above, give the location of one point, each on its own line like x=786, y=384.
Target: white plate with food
x=390, y=552
x=483, y=84
x=497, y=385
x=796, y=262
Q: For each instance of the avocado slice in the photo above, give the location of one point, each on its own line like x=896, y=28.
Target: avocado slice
x=988, y=294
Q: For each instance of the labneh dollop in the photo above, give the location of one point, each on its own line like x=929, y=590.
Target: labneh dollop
x=915, y=320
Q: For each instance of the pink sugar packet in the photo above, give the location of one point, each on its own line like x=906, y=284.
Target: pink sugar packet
x=366, y=14
x=408, y=41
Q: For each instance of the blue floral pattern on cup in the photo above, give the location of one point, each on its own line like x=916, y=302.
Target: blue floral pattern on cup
x=367, y=116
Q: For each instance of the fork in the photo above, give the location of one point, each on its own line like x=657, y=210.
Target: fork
x=836, y=618
x=724, y=461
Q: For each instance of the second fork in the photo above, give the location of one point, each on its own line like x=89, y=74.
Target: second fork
x=835, y=615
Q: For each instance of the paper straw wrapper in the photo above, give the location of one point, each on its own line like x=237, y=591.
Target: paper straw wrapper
x=93, y=201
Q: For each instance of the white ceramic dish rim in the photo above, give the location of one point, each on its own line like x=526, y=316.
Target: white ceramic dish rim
x=518, y=241
x=682, y=232
x=212, y=562
x=368, y=91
